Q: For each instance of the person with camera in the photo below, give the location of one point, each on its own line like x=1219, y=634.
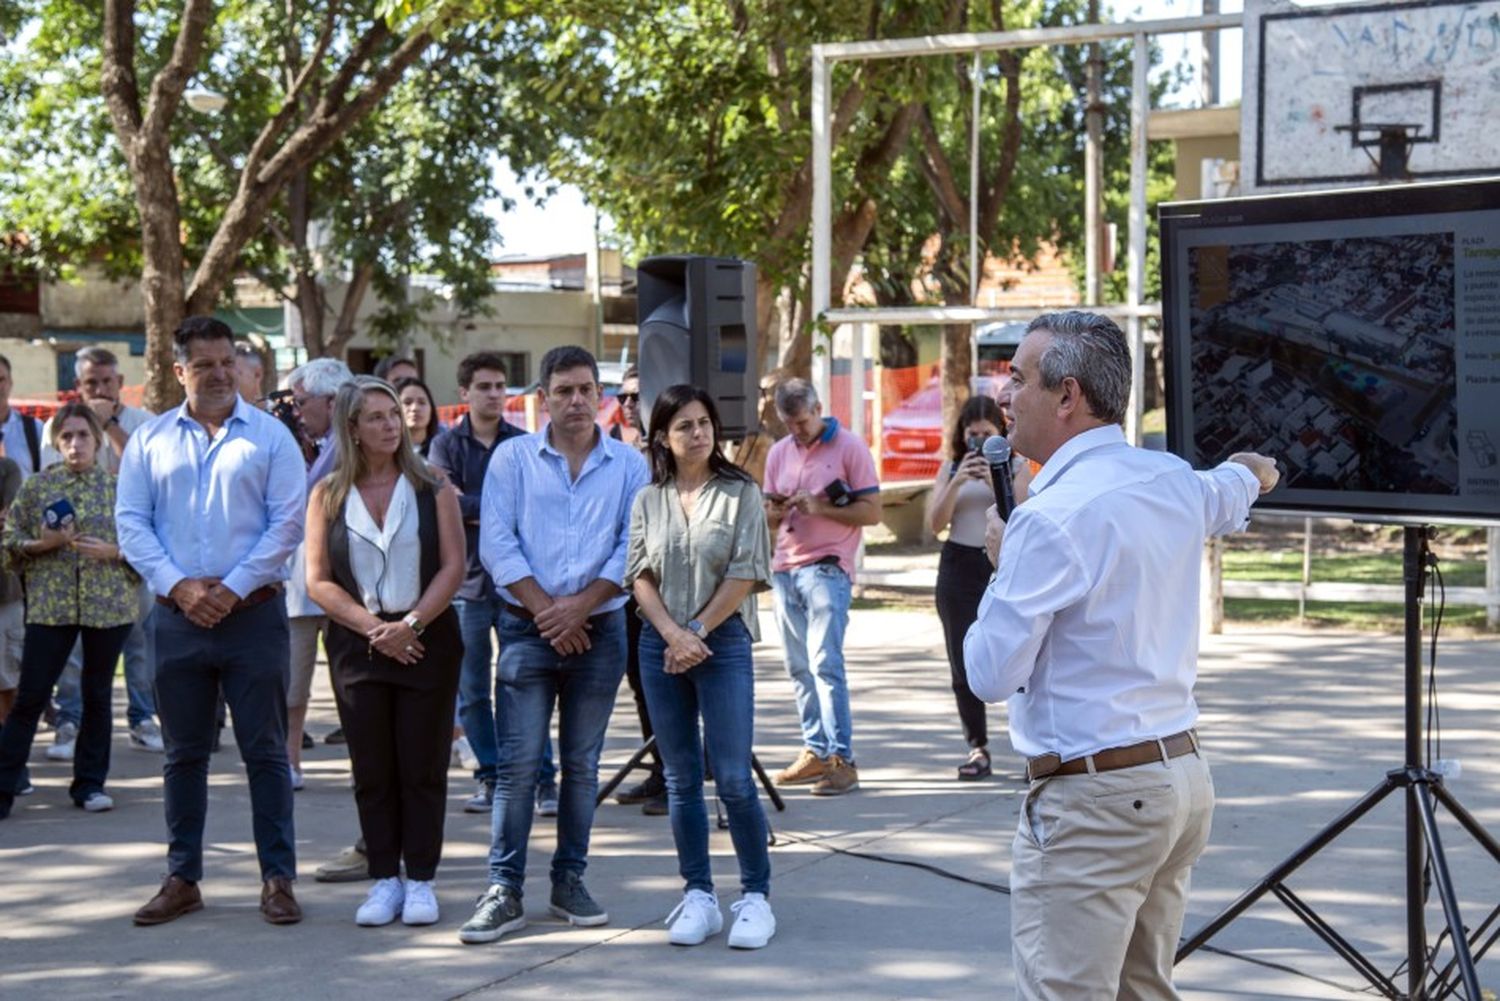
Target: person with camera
x=821, y=490
x=60, y=533
x=958, y=502
x=699, y=551
x=1090, y=630
x=385, y=555
x=313, y=386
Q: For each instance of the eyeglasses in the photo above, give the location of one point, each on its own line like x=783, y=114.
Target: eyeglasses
x=628, y=397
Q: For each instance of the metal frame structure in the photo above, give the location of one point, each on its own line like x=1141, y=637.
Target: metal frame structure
x=976, y=44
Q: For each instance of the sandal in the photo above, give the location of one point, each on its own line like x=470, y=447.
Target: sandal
x=977, y=767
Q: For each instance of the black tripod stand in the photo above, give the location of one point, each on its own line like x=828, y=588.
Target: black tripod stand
x=1422, y=786
x=645, y=749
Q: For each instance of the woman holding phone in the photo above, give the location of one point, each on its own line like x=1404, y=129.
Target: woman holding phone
x=699, y=550
x=961, y=496
x=60, y=536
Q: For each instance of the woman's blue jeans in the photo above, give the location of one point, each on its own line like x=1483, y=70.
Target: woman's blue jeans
x=722, y=691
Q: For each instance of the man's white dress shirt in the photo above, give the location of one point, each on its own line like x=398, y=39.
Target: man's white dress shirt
x=1090, y=625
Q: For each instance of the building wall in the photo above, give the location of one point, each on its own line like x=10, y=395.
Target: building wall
x=1191, y=152
x=93, y=302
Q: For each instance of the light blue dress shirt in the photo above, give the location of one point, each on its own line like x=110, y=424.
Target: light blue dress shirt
x=537, y=521
x=230, y=507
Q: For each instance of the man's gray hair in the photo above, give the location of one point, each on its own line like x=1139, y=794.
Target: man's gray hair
x=795, y=396
x=1091, y=349
x=95, y=355
x=320, y=377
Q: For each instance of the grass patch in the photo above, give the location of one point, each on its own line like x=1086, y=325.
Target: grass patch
x=1350, y=568
x=1371, y=617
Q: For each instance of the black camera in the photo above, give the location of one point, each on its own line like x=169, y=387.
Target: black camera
x=283, y=406
x=838, y=493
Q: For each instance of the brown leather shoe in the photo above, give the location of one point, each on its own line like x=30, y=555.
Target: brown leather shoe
x=277, y=903
x=175, y=898
x=807, y=768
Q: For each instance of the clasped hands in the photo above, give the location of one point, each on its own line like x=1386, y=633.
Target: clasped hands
x=565, y=624
x=88, y=546
x=396, y=640
x=204, y=600
x=685, y=651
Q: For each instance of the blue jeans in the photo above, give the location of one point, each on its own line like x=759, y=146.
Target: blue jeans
x=812, y=611
x=532, y=677
x=140, y=679
x=248, y=656
x=481, y=723
x=722, y=689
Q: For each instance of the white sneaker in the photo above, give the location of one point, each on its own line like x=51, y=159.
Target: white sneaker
x=421, y=907
x=754, y=924
x=97, y=802
x=382, y=905
x=694, y=919
x=146, y=736
x=64, y=743
x=463, y=755
x=298, y=781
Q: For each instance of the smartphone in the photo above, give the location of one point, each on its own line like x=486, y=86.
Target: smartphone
x=778, y=498
x=59, y=514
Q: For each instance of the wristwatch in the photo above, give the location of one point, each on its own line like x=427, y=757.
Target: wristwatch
x=413, y=623
x=698, y=629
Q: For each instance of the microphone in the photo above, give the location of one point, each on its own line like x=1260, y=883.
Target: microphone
x=997, y=454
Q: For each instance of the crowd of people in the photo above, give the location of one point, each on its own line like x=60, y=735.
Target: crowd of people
x=228, y=537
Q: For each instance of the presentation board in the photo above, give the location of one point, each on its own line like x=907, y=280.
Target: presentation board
x=1352, y=335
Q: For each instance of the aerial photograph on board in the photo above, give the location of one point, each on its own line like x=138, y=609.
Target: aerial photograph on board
x=1335, y=356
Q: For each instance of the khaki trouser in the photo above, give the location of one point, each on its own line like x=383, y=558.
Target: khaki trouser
x=1099, y=879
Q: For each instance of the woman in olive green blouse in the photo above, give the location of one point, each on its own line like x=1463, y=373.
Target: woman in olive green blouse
x=60, y=536
x=699, y=550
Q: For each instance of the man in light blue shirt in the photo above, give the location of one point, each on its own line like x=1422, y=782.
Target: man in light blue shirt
x=553, y=528
x=211, y=502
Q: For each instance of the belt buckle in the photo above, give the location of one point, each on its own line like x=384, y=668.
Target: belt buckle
x=1043, y=765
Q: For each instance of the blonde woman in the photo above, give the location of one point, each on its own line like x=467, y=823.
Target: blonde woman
x=385, y=555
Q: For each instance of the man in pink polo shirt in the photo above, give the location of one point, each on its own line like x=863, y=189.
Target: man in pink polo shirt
x=821, y=489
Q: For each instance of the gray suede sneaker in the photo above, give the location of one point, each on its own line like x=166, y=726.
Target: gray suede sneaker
x=497, y=912
x=572, y=903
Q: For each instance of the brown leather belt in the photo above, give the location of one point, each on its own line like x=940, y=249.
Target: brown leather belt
x=259, y=596
x=522, y=612
x=1114, y=758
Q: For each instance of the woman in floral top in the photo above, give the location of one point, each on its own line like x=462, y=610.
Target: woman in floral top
x=76, y=584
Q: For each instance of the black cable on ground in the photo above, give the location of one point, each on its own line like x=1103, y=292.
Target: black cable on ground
x=982, y=884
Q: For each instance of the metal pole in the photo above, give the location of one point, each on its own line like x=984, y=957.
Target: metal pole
x=1093, y=162
x=1307, y=530
x=1209, y=67
x=974, y=275
x=1140, y=111
x=1414, y=550
x=822, y=217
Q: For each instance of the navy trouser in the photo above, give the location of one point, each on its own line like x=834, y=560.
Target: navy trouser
x=248, y=655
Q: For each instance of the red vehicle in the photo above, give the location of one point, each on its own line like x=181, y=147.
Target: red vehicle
x=912, y=437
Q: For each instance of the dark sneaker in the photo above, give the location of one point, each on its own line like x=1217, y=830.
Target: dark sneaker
x=650, y=787
x=336, y=737
x=497, y=912
x=546, y=801
x=656, y=806
x=572, y=903
x=482, y=800
x=307, y=741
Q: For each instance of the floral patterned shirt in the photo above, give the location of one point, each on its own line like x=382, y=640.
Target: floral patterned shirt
x=64, y=588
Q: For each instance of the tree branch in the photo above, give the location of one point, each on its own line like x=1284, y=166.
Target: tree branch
x=290, y=106
x=117, y=75
x=172, y=79
x=938, y=170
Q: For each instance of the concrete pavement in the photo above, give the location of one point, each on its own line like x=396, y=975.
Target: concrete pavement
x=1297, y=725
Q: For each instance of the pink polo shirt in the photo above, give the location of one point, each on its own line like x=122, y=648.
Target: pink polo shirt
x=803, y=539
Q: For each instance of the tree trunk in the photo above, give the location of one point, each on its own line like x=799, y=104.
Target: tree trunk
x=957, y=368
x=354, y=294
x=162, y=273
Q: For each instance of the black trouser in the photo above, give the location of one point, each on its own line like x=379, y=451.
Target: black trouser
x=963, y=574
x=399, y=723
x=247, y=657
x=43, y=657
x=633, y=625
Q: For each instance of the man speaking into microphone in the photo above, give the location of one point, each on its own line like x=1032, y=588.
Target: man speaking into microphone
x=1090, y=630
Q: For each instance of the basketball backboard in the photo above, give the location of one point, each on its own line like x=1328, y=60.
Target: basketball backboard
x=1324, y=84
